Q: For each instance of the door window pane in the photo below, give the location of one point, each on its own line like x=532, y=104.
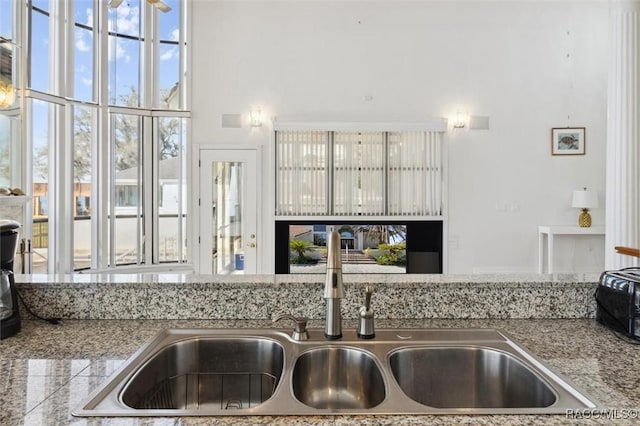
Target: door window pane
x=227, y=217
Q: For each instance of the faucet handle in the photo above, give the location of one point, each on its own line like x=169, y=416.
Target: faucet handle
x=366, y=329
x=367, y=297
x=300, y=326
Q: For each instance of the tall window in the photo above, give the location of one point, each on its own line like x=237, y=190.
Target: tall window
x=108, y=133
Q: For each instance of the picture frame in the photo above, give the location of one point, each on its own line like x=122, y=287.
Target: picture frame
x=568, y=141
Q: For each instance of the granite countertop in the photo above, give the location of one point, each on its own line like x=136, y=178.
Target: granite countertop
x=48, y=370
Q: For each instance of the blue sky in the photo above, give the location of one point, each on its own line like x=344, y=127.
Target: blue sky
x=124, y=54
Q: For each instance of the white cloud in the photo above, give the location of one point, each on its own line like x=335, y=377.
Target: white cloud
x=89, y=18
x=81, y=44
x=175, y=35
x=170, y=54
x=117, y=51
x=87, y=81
x=127, y=20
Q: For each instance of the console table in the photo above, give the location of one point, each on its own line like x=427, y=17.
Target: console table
x=552, y=231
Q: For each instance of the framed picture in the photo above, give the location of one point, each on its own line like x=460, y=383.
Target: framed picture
x=567, y=141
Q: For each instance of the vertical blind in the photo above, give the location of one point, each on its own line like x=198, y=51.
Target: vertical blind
x=358, y=173
x=415, y=173
x=301, y=176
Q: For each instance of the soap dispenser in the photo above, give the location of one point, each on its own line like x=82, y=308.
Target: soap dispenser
x=366, y=328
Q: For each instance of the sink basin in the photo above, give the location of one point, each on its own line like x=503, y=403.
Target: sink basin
x=207, y=373
x=337, y=378
x=240, y=372
x=468, y=377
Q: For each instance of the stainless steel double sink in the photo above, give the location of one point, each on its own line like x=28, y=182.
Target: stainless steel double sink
x=200, y=372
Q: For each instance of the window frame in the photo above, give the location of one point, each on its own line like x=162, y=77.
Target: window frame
x=63, y=205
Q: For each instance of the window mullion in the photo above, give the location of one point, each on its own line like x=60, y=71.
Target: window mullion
x=64, y=198
x=329, y=165
x=53, y=187
x=150, y=130
x=101, y=195
x=184, y=58
x=385, y=195
x=65, y=210
x=27, y=150
x=149, y=72
x=149, y=166
x=153, y=58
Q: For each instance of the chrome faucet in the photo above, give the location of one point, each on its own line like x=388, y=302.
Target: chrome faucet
x=333, y=288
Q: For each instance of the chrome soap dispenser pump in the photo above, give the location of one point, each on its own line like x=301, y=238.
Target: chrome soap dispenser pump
x=333, y=288
x=366, y=329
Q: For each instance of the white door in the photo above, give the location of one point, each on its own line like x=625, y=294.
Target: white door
x=228, y=221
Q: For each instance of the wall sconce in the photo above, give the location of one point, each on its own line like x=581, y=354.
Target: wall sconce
x=255, y=115
x=460, y=121
x=7, y=95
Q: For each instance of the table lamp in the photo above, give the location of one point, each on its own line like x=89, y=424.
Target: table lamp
x=585, y=200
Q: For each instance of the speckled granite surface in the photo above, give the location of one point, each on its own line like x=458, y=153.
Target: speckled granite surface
x=48, y=370
x=183, y=296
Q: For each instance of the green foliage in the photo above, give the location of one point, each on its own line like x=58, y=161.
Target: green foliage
x=395, y=254
x=300, y=247
x=393, y=248
x=384, y=233
x=127, y=140
x=302, y=260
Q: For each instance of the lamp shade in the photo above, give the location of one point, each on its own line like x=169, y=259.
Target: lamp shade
x=583, y=199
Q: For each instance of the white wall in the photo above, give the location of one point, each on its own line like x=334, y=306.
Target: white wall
x=528, y=65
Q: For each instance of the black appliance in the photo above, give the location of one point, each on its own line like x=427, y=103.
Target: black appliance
x=9, y=313
x=618, y=301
